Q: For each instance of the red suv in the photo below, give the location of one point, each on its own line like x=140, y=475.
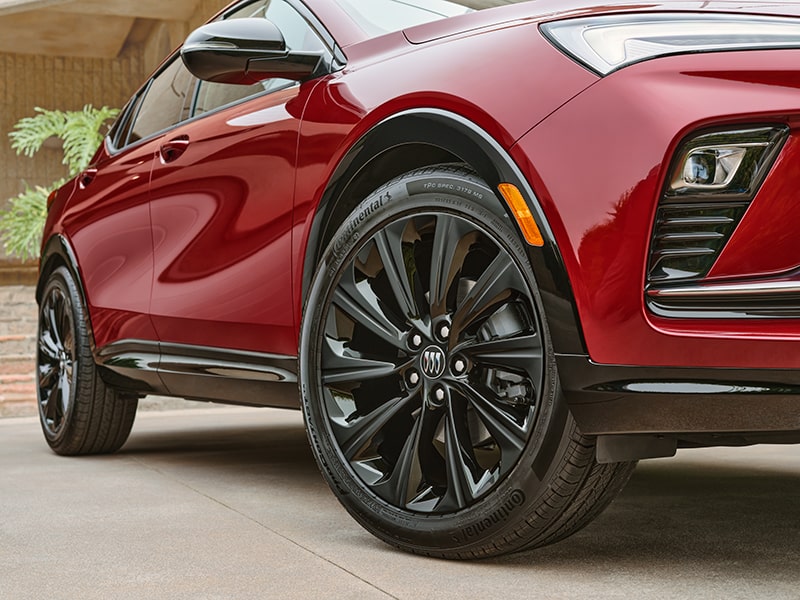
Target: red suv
x=502, y=254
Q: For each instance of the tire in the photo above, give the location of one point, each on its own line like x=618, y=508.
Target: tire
x=78, y=413
x=429, y=383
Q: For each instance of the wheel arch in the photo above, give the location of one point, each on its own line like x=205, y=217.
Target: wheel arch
x=58, y=252
x=423, y=137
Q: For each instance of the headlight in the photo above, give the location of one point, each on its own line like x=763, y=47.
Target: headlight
x=607, y=43
x=725, y=163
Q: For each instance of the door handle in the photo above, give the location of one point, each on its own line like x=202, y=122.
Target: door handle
x=172, y=149
x=86, y=177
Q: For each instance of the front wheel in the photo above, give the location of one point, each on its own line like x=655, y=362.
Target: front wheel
x=428, y=379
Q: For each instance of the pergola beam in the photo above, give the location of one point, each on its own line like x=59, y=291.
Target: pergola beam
x=8, y=7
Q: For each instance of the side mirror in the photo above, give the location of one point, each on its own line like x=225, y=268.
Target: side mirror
x=245, y=51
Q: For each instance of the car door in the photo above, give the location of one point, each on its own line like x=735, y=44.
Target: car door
x=222, y=193
x=108, y=221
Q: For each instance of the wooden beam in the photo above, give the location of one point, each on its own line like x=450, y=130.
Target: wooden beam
x=8, y=7
x=170, y=10
x=55, y=33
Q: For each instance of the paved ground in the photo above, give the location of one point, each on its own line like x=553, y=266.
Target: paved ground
x=227, y=503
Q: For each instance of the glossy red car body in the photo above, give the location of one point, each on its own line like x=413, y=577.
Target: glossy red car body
x=184, y=251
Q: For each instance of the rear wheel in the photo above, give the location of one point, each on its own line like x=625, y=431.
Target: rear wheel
x=428, y=379
x=79, y=414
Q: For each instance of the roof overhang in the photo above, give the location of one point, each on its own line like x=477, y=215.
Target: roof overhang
x=80, y=28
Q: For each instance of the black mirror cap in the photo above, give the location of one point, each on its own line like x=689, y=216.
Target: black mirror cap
x=244, y=51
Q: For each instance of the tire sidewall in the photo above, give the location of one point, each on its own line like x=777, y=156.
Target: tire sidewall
x=496, y=514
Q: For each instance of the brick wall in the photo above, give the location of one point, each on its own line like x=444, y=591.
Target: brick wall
x=17, y=346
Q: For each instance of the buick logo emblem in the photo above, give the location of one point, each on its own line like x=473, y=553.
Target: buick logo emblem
x=432, y=362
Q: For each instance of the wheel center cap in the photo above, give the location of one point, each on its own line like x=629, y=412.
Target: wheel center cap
x=432, y=362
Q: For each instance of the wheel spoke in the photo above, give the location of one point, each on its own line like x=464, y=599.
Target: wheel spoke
x=362, y=306
x=343, y=364
x=459, y=464
x=46, y=326
x=495, y=285
x=65, y=387
x=69, y=343
x=389, y=242
x=451, y=243
x=64, y=321
x=356, y=434
x=53, y=321
x=50, y=400
x=509, y=435
x=45, y=321
x=400, y=487
x=48, y=374
x=521, y=353
x=48, y=347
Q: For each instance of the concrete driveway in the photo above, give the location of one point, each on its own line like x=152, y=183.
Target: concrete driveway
x=228, y=503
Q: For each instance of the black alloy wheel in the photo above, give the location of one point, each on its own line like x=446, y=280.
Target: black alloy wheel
x=78, y=412
x=427, y=375
x=56, y=360
x=431, y=362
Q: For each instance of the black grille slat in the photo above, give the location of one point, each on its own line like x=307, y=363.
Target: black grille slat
x=695, y=222
x=678, y=252
x=688, y=238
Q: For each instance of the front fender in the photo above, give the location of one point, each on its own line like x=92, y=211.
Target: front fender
x=466, y=142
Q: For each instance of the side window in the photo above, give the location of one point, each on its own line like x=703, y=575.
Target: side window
x=298, y=34
x=119, y=131
x=166, y=102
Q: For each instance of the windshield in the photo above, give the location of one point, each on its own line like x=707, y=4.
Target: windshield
x=377, y=17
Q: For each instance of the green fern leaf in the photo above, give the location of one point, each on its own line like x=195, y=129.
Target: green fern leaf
x=81, y=133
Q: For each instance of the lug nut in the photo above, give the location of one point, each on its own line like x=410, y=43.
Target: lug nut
x=437, y=397
x=415, y=341
x=459, y=366
x=412, y=377
x=444, y=331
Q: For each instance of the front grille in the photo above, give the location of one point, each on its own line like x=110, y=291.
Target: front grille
x=687, y=238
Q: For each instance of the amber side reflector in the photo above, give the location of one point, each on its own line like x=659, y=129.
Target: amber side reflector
x=51, y=197
x=522, y=214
